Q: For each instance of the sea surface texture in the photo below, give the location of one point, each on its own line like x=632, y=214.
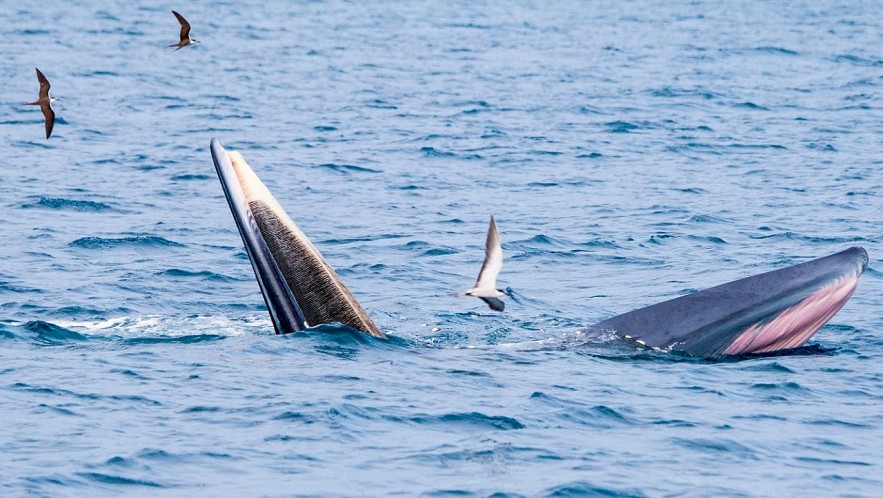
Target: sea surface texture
x=631, y=152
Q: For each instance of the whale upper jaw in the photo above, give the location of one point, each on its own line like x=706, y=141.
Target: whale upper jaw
x=299, y=287
x=773, y=311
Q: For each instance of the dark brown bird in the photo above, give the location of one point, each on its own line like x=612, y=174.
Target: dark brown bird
x=44, y=102
x=185, y=33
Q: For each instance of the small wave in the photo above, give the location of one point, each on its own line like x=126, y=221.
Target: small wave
x=588, y=109
x=14, y=289
x=49, y=333
x=202, y=409
x=338, y=340
x=134, y=240
x=469, y=25
x=118, y=480
x=829, y=461
x=707, y=218
x=543, y=240
x=467, y=373
x=839, y=423
x=188, y=177
x=182, y=339
x=773, y=366
x=775, y=51
x=470, y=112
x=35, y=143
x=821, y=147
x=367, y=238
x=204, y=275
x=475, y=420
x=440, y=251
x=416, y=245
x=157, y=454
x=67, y=204
x=5, y=333
x=380, y=104
x=348, y=168
x=768, y=386
x=750, y=105
x=583, y=488
x=106, y=73
x=433, y=152
x=606, y=244
x=695, y=147
x=757, y=146
x=718, y=447
x=476, y=104
x=591, y=155
x=407, y=187
x=599, y=416
x=710, y=238
x=859, y=61
x=621, y=127
x=295, y=417
x=669, y=92
x=789, y=235
x=493, y=133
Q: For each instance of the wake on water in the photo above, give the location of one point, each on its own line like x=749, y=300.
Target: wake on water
x=158, y=329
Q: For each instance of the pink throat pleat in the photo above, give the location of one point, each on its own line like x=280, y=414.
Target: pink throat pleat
x=794, y=326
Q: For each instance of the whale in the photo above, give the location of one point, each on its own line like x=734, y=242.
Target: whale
x=774, y=311
x=301, y=290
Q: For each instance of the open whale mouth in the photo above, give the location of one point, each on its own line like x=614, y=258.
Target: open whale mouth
x=794, y=326
x=770, y=312
x=773, y=311
x=300, y=288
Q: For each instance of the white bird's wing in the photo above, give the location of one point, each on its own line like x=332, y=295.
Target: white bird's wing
x=493, y=259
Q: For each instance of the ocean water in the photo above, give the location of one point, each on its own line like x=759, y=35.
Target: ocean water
x=631, y=152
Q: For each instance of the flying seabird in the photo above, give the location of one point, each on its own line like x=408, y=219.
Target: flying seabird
x=486, y=286
x=44, y=102
x=185, y=33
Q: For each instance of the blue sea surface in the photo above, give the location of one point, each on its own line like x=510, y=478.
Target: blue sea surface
x=630, y=151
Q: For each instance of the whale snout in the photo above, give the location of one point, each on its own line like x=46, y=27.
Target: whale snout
x=863, y=258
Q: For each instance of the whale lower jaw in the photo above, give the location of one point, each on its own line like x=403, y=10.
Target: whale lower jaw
x=299, y=287
x=795, y=325
x=773, y=311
